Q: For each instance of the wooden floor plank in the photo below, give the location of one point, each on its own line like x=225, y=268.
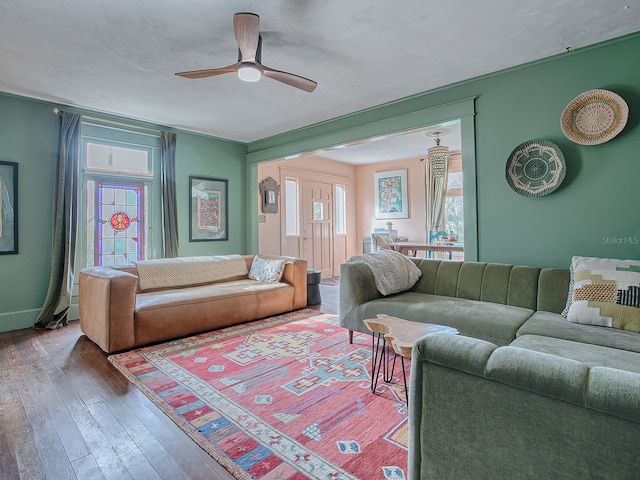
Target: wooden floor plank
x=46, y=438
x=25, y=451
x=87, y=467
x=55, y=431
x=101, y=449
x=6, y=358
x=10, y=414
x=16, y=422
x=132, y=458
x=78, y=372
x=63, y=422
x=71, y=387
x=8, y=464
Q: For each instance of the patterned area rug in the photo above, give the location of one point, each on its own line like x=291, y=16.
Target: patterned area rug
x=282, y=398
x=331, y=281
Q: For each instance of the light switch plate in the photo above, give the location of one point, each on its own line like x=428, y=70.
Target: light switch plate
x=262, y=219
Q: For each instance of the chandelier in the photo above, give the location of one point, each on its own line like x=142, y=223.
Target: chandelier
x=438, y=156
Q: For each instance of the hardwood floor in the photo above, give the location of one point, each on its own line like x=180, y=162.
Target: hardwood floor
x=66, y=413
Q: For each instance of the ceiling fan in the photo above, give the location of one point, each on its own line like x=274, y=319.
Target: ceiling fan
x=246, y=27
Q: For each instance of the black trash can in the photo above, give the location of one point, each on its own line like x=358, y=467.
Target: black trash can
x=314, y=277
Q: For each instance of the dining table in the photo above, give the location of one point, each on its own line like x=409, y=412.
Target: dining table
x=411, y=248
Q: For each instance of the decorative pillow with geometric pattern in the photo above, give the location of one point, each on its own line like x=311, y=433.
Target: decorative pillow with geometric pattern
x=267, y=270
x=605, y=292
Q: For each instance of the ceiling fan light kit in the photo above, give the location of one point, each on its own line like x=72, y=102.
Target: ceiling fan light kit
x=246, y=27
x=248, y=72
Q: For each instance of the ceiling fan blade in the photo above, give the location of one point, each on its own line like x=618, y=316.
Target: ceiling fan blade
x=246, y=27
x=289, y=79
x=211, y=72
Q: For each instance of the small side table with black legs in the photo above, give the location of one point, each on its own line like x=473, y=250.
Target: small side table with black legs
x=401, y=335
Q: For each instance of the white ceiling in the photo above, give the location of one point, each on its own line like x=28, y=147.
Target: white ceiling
x=120, y=56
x=397, y=146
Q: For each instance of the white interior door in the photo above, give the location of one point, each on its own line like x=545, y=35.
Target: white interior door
x=317, y=226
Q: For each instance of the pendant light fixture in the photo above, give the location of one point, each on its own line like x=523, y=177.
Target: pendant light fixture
x=439, y=154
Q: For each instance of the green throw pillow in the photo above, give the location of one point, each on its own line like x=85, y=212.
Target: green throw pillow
x=605, y=292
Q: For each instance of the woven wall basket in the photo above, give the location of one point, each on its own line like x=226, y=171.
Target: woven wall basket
x=594, y=117
x=535, y=168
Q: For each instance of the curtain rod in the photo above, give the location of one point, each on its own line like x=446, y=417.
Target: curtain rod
x=56, y=111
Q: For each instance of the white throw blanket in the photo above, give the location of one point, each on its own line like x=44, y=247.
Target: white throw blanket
x=183, y=271
x=392, y=271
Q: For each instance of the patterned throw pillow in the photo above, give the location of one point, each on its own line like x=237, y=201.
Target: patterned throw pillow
x=267, y=270
x=605, y=292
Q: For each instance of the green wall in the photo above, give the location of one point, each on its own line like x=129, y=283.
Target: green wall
x=596, y=210
x=28, y=136
x=209, y=157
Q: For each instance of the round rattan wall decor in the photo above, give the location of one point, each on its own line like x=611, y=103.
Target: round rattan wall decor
x=594, y=117
x=535, y=168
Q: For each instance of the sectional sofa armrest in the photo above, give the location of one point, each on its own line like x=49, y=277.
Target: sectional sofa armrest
x=357, y=287
x=466, y=354
x=107, y=302
x=607, y=390
x=604, y=389
x=295, y=274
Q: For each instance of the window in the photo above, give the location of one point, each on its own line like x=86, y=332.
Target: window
x=292, y=216
x=110, y=158
x=118, y=195
x=341, y=225
x=318, y=211
x=453, y=206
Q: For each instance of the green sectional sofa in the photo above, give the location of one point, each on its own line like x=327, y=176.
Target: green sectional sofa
x=521, y=393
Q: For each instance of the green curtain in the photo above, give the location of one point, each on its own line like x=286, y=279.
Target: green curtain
x=169, y=201
x=65, y=225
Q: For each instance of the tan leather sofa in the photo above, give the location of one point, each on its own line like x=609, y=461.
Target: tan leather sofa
x=117, y=315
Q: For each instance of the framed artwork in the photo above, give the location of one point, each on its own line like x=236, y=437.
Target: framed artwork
x=390, y=190
x=8, y=208
x=208, y=209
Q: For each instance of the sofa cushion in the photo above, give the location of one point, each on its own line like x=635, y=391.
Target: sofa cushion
x=178, y=312
x=185, y=271
x=516, y=285
x=267, y=270
x=592, y=355
x=201, y=294
x=484, y=320
x=605, y=292
x=554, y=325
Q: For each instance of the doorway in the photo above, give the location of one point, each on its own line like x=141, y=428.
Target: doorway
x=317, y=226
x=358, y=225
